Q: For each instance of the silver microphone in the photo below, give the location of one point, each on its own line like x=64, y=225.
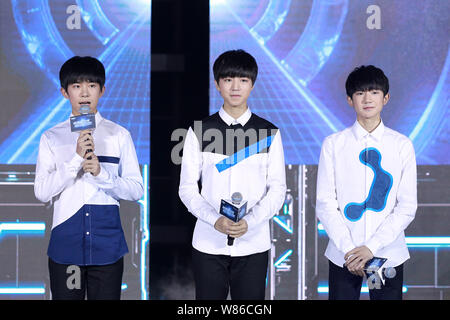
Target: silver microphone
x=236, y=199
x=390, y=272
x=85, y=109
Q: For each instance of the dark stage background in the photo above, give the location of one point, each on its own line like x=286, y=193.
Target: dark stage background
x=179, y=86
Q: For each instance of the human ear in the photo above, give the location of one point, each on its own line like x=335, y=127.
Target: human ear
x=217, y=85
x=64, y=93
x=386, y=98
x=350, y=101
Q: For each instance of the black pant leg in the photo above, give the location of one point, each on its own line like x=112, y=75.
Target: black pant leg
x=104, y=282
x=211, y=275
x=392, y=288
x=67, y=282
x=248, y=276
x=342, y=284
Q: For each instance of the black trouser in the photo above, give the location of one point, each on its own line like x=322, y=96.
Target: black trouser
x=99, y=282
x=343, y=285
x=215, y=275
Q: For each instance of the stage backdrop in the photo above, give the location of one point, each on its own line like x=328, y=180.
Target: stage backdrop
x=36, y=38
x=305, y=49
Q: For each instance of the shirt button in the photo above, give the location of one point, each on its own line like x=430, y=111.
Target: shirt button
x=87, y=214
x=87, y=233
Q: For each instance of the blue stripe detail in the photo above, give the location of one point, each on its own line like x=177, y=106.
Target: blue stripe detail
x=283, y=257
x=108, y=159
x=244, y=153
x=283, y=224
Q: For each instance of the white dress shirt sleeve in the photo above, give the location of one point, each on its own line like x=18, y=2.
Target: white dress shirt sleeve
x=406, y=203
x=191, y=169
x=327, y=207
x=269, y=205
x=52, y=177
x=128, y=183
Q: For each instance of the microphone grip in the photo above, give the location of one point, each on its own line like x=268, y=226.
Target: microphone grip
x=230, y=241
x=89, y=150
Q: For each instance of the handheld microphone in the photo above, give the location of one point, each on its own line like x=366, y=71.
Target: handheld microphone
x=390, y=272
x=236, y=199
x=85, y=109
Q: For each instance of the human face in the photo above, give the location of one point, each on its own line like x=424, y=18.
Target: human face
x=234, y=91
x=83, y=93
x=368, y=104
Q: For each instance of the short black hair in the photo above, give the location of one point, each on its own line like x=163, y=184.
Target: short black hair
x=235, y=63
x=366, y=78
x=79, y=69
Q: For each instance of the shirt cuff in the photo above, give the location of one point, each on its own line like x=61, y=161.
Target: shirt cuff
x=75, y=162
x=102, y=180
x=250, y=219
x=103, y=175
x=256, y=215
x=212, y=217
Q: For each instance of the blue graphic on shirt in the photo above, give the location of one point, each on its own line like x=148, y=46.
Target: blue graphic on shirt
x=379, y=190
x=108, y=159
x=244, y=153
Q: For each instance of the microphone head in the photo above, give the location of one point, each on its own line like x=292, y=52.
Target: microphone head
x=390, y=272
x=236, y=198
x=85, y=109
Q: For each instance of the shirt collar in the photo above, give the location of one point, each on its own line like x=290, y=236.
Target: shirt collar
x=359, y=132
x=98, y=118
x=229, y=120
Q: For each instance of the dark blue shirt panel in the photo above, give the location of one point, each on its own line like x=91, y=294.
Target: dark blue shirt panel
x=92, y=236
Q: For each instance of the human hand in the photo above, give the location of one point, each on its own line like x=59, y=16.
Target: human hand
x=356, y=259
x=91, y=164
x=223, y=224
x=238, y=229
x=85, y=142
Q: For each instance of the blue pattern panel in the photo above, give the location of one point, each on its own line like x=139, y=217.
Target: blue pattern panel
x=379, y=190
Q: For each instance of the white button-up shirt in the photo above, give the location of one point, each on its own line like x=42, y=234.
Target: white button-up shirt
x=260, y=178
x=75, y=194
x=367, y=192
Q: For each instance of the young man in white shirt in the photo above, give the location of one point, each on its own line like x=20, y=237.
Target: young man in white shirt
x=253, y=167
x=85, y=174
x=366, y=191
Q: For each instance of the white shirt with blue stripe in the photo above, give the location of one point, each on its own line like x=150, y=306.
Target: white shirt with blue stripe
x=86, y=227
x=259, y=177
